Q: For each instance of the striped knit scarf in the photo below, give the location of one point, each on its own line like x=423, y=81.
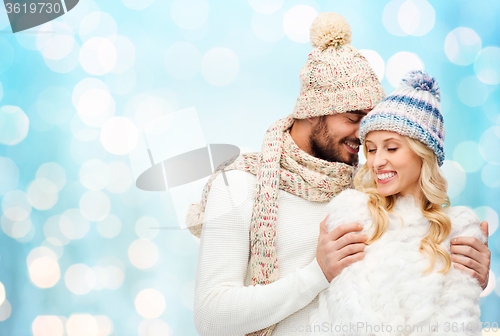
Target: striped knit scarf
x=280, y=165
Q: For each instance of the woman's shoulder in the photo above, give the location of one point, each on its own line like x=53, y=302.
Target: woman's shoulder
x=348, y=207
x=464, y=222
x=349, y=197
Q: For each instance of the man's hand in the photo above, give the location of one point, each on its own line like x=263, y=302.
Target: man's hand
x=336, y=249
x=471, y=256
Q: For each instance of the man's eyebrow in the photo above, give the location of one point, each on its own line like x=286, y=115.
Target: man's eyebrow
x=358, y=112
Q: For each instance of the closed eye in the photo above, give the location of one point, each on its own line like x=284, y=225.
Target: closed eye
x=371, y=150
x=391, y=149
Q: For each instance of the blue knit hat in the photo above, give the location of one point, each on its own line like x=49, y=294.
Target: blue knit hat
x=412, y=110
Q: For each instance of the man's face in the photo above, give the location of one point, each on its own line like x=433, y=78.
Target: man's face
x=334, y=138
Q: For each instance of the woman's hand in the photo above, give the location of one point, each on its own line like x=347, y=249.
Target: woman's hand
x=336, y=249
x=472, y=257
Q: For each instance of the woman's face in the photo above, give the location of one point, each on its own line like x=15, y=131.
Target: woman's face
x=395, y=167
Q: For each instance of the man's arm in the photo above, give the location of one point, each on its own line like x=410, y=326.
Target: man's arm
x=471, y=256
x=223, y=305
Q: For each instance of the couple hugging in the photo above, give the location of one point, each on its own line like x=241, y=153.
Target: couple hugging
x=389, y=256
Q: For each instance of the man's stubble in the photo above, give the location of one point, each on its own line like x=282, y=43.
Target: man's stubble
x=326, y=147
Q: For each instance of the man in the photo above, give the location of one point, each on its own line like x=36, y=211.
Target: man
x=263, y=259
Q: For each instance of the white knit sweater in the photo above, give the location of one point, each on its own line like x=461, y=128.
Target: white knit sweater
x=388, y=286
x=226, y=303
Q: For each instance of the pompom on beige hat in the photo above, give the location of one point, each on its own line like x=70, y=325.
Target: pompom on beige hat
x=336, y=77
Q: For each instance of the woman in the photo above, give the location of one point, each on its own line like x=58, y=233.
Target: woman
x=405, y=285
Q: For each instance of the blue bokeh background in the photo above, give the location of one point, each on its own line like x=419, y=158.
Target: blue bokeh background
x=81, y=246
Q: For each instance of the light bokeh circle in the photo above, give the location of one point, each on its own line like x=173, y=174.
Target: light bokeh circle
x=80, y=279
x=73, y=224
x=95, y=205
x=121, y=178
x=489, y=145
x=2, y=293
x=82, y=325
x=14, y=124
x=52, y=230
x=17, y=229
x=98, y=56
x=116, y=276
x=55, y=40
x=297, y=22
x=143, y=253
x=16, y=205
x=122, y=83
x=10, y=175
x=110, y=226
x=97, y=24
x=154, y=327
x=487, y=66
x=220, y=66
x=47, y=325
x=125, y=53
x=93, y=102
x=119, y=135
x=485, y=213
x=101, y=276
x=416, y=17
x=105, y=325
x=5, y=310
x=81, y=131
x=456, y=177
x=94, y=174
x=399, y=64
x=53, y=172
x=66, y=64
x=150, y=303
x=42, y=194
x=462, y=45
x=376, y=61
x=44, y=269
x=490, y=287
x=490, y=175
x=189, y=14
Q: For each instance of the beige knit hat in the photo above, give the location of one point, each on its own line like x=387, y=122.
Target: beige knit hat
x=336, y=77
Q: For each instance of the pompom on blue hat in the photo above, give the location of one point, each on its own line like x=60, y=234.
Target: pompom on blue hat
x=412, y=110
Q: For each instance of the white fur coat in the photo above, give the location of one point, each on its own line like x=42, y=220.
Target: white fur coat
x=387, y=292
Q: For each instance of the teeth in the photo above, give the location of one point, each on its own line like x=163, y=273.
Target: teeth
x=385, y=176
x=353, y=146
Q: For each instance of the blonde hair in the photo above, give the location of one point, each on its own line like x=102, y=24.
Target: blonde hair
x=433, y=185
